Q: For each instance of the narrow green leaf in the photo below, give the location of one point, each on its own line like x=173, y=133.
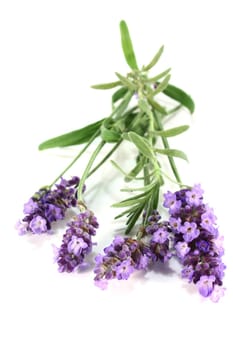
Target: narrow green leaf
x=135, y=171
x=121, y=108
x=142, y=144
x=126, y=81
x=139, y=189
x=133, y=200
x=131, y=209
x=152, y=203
x=106, y=86
x=127, y=46
x=117, y=166
x=172, y=132
x=120, y=93
x=157, y=106
x=133, y=218
x=172, y=153
x=126, y=203
x=154, y=60
x=158, y=76
x=76, y=137
x=162, y=85
x=180, y=96
x=175, y=109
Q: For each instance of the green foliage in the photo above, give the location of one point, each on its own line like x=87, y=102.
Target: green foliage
x=108, y=134
x=142, y=144
x=172, y=132
x=127, y=46
x=180, y=96
x=172, y=153
x=154, y=60
x=106, y=86
x=119, y=94
x=76, y=137
x=137, y=116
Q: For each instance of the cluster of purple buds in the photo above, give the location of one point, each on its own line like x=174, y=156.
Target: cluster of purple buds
x=197, y=242
x=77, y=242
x=48, y=205
x=159, y=233
x=121, y=259
x=126, y=255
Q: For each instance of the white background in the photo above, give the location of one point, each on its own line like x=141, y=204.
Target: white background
x=50, y=54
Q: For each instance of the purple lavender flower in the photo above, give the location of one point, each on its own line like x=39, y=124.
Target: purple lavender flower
x=38, y=224
x=30, y=207
x=205, y=285
x=53, y=213
x=196, y=241
x=218, y=245
x=76, y=245
x=171, y=202
x=126, y=255
x=124, y=269
x=208, y=219
x=182, y=249
x=159, y=248
x=190, y=231
x=203, y=246
x=175, y=223
x=77, y=242
x=187, y=273
x=160, y=235
x=48, y=205
x=194, y=196
x=120, y=260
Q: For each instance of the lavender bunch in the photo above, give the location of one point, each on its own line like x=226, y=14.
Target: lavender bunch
x=138, y=118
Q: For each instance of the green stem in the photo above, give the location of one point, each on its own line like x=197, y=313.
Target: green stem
x=174, y=181
x=76, y=158
x=105, y=158
x=150, y=138
x=166, y=146
x=87, y=170
x=146, y=174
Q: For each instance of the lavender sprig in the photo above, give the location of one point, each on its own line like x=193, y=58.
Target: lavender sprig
x=121, y=259
x=47, y=206
x=77, y=242
x=126, y=255
x=197, y=242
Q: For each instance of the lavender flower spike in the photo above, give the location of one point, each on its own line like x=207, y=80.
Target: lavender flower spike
x=197, y=243
x=120, y=259
x=48, y=205
x=126, y=255
x=77, y=242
